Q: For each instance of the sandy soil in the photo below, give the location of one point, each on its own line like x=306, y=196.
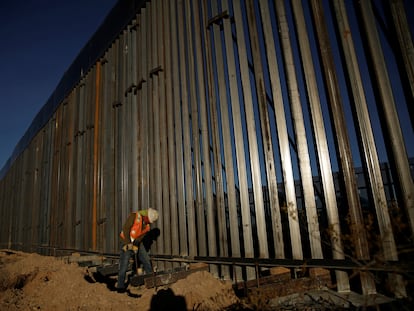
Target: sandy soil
x=29, y=281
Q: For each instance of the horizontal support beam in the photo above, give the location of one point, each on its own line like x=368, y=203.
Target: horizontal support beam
x=337, y=264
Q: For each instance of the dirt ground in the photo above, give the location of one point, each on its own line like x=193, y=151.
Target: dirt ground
x=29, y=281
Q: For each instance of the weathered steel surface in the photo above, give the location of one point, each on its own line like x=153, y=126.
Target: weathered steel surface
x=367, y=138
x=406, y=45
x=223, y=108
x=178, y=220
x=252, y=132
x=396, y=143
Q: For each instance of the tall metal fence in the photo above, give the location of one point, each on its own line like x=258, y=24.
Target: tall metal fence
x=250, y=126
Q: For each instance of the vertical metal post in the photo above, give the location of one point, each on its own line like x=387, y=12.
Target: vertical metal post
x=387, y=104
x=216, y=146
x=154, y=105
x=227, y=142
x=80, y=165
x=120, y=215
x=163, y=245
x=205, y=139
x=342, y=139
x=177, y=53
x=251, y=131
x=253, y=144
x=365, y=131
x=133, y=71
x=28, y=191
x=185, y=115
x=282, y=134
x=397, y=145
x=96, y=132
x=152, y=97
x=69, y=150
x=266, y=136
x=109, y=225
x=88, y=161
x=63, y=187
x=407, y=51
x=100, y=220
x=123, y=127
x=37, y=186
x=301, y=141
x=195, y=129
x=270, y=163
x=142, y=86
x=238, y=135
x=172, y=246
x=47, y=151
x=54, y=190
x=15, y=230
x=319, y=133
x=129, y=116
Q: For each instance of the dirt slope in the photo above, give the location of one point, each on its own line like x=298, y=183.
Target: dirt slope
x=30, y=281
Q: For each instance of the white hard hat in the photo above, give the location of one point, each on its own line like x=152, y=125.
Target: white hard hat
x=152, y=215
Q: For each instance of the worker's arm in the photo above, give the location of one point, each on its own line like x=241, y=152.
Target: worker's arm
x=126, y=228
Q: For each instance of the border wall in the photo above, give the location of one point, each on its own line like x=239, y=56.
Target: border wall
x=258, y=129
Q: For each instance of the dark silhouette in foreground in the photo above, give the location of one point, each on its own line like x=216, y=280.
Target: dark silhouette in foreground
x=165, y=299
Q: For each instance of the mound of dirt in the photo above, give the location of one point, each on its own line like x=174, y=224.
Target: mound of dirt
x=202, y=291
x=29, y=281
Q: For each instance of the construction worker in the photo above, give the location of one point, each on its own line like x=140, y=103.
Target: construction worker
x=133, y=231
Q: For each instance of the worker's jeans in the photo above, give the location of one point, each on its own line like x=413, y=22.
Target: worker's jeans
x=144, y=258
x=124, y=257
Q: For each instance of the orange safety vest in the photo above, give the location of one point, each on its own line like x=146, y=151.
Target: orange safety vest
x=136, y=230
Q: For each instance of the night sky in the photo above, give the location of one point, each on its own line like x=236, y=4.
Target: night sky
x=39, y=41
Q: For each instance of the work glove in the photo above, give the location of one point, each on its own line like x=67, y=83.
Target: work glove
x=128, y=247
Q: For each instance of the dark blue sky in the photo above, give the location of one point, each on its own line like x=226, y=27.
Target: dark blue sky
x=39, y=41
